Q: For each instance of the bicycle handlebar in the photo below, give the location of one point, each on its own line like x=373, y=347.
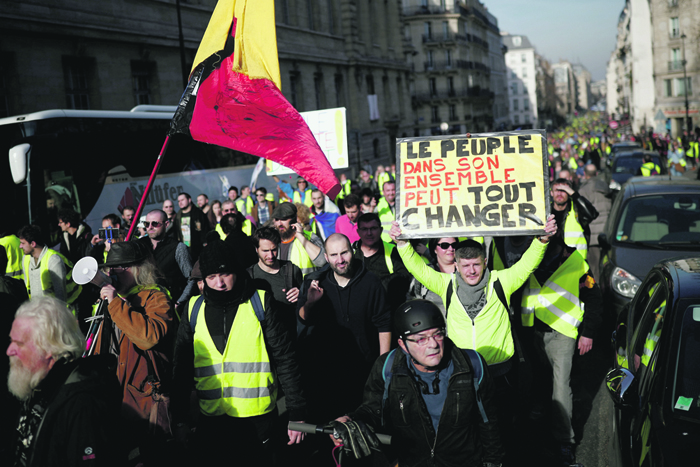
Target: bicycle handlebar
x=321, y=429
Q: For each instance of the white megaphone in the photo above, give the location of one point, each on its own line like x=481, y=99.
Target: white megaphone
x=86, y=270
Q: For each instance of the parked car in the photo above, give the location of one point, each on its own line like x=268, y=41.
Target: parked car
x=655, y=383
x=626, y=165
x=624, y=146
x=651, y=219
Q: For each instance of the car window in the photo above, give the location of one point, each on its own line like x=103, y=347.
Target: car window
x=647, y=333
x=686, y=387
x=631, y=164
x=666, y=220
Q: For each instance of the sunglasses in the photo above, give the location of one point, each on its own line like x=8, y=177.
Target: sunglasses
x=445, y=245
x=155, y=224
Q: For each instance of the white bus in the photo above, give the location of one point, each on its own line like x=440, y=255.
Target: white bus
x=97, y=162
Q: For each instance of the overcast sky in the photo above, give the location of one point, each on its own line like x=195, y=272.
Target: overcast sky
x=580, y=31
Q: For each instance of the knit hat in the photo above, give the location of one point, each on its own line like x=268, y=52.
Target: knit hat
x=217, y=257
x=285, y=211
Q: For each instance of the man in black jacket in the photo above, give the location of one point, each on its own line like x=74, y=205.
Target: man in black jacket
x=432, y=409
x=347, y=325
x=70, y=404
x=75, y=235
x=191, y=225
x=172, y=257
x=232, y=344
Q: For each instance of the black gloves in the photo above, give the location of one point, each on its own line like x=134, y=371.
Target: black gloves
x=358, y=438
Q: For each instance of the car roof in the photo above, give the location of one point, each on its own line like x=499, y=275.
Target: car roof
x=687, y=273
x=660, y=184
x=636, y=153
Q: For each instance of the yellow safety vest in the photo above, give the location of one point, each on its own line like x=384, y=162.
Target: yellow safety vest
x=386, y=217
x=647, y=167
x=493, y=339
x=245, y=206
x=14, y=256
x=573, y=233
x=556, y=303
x=345, y=190
x=72, y=289
x=299, y=256
x=307, y=197
x=241, y=382
x=247, y=229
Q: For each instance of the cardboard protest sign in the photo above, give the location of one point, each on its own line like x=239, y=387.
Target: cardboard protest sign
x=491, y=184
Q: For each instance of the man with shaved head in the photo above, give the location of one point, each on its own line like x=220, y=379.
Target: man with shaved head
x=346, y=326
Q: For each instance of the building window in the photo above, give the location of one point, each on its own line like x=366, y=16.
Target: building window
x=433, y=87
x=668, y=88
x=142, y=75
x=516, y=119
x=375, y=147
x=526, y=104
x=672, y=3
x=331, y=19
x=445, y=29
x=310, y=13
x=674, y=28
x=434, y=114
x=339, y=91
x=319, y=91
x=400, y=94
x=517, y=40
x=453, y=112
x=430, y=59
x=76, y=72
x=448, y=57
x=427, y=30
x=679, y=89
x=523, y=58
x=370, y=85
x=515, y=104
x=284, y=7
x=513, y=74
x=451, y=85
x=526, y=118
x=295, y=89
x=524, y=72
x=514, y=88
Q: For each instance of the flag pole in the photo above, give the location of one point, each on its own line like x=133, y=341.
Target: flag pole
x=144, y=195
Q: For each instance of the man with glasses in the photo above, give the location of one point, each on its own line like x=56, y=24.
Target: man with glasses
x=172, y=257
x=263, y=208
x=425, y=398
x=381, y=258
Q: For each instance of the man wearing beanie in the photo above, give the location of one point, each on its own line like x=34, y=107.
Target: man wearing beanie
x=302, y=248
x=232, y=344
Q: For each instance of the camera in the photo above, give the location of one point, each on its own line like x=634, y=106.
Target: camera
x=109, y=234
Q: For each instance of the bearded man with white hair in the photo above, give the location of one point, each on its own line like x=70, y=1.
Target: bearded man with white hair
x=70, y=404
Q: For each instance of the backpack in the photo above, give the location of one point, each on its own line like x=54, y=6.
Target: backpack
x=257, y=306
x=477, y=364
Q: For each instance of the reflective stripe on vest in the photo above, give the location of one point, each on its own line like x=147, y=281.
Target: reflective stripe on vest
x=14, y=256
x=556, y=303
x=299, y=256
x=72, y=289
x=307, y=197
x=241, y=382
x=573, y=233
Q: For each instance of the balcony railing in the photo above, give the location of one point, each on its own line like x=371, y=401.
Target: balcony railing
x=444, y=37
x=454, y=65
x=427, y=10
x=475, y=91
x=675, y=65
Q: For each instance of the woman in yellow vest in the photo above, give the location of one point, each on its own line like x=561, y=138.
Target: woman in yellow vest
x=235, y=350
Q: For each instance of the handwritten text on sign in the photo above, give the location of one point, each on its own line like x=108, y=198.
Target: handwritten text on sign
x=489, y=184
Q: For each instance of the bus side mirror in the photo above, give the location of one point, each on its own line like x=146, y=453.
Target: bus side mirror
x=18, y=162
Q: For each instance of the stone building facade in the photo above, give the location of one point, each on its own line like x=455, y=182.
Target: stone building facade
x=522, y=81
x=450, y=56
x=565, y=88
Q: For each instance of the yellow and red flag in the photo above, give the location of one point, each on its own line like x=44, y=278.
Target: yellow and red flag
x=233, y=97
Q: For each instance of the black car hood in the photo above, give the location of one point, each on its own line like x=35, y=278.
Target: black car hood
x=639, y=261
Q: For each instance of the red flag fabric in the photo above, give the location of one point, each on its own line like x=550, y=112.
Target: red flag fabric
x=225, y=106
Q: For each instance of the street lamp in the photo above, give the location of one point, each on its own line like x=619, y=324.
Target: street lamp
x=688, y=123
x=444, y=126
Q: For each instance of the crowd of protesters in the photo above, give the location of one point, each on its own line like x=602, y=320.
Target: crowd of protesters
x=215, y=311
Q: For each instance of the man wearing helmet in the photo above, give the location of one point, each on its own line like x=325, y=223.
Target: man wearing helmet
x=432, y=409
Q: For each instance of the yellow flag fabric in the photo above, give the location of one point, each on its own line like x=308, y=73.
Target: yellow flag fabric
x=255, y=50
